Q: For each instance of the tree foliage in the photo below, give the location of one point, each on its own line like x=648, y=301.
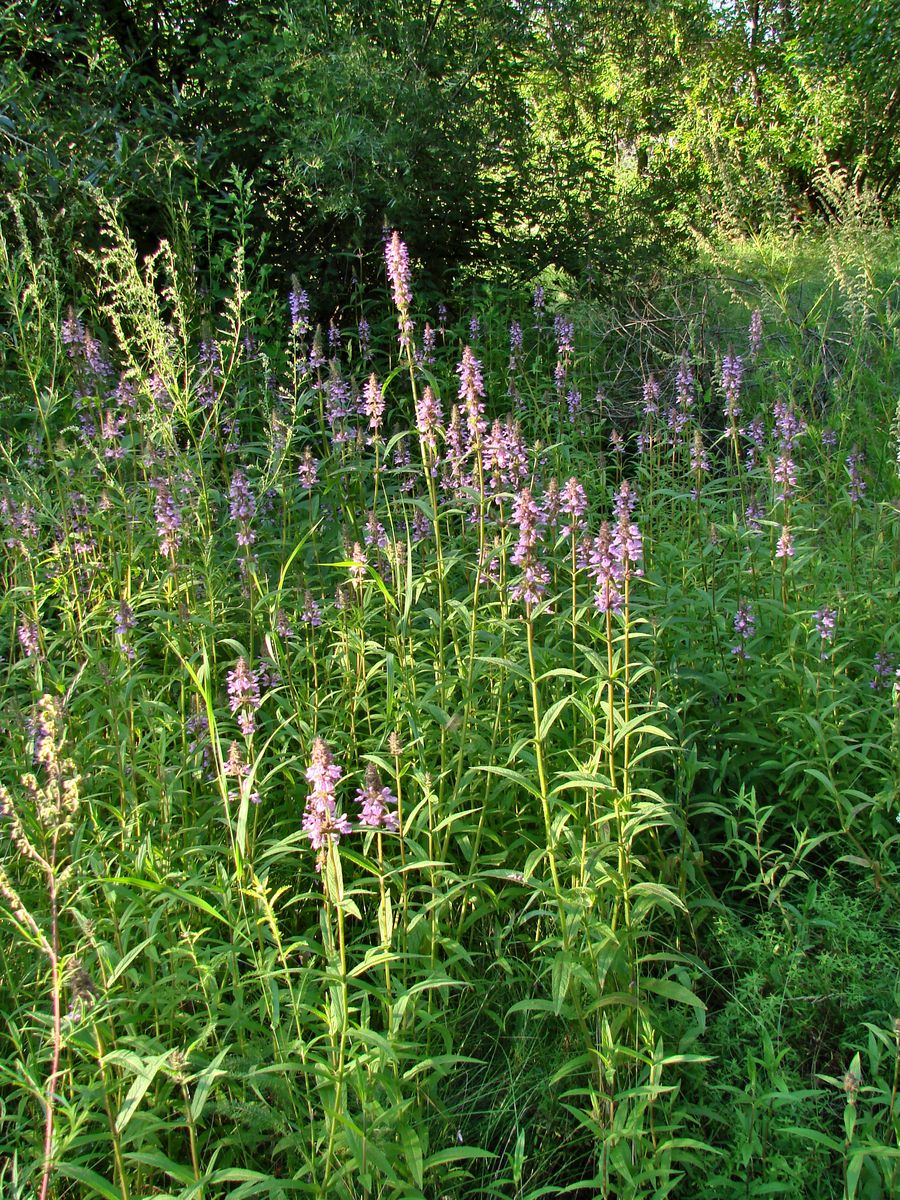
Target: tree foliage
x=501, y=133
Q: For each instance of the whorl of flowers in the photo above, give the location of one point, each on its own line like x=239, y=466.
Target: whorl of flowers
x=321, y=824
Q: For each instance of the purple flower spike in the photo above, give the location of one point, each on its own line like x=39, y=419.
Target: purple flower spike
x=321, y=823
x=397, y=259
x=375, y=800
x=744, y=627
x=755, y=333
x=785, y=548
x=373, y=404
x=471, y=393
x=242, y=508
x=243, y=696
x=573, y=502
x=732, y=377
x=428, y=418
x=605, y=569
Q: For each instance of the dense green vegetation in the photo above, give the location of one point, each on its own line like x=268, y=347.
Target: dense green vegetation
x=450, y=498
x=501, y=136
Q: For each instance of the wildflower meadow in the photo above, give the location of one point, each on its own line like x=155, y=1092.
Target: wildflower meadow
x=450, y=743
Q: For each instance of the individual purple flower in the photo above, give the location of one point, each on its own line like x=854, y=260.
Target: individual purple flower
x=573, y=404
x=785, y=547
x=732, y=378
x=321, y=824
x=334, y=339
x=829, y=439
x=242, y=508
x=744, y=628
x=397, y=259
x=442, y=317
x=474, y=329
x=29, y=635
x=755, y=333
x=375, y=801
x=308, y=471
x=617, y=443
x=243, y=696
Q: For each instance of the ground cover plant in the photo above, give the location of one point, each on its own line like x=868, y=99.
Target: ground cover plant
x=450, y=753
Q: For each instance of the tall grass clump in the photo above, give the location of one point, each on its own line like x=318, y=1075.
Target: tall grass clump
x=424, y=732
